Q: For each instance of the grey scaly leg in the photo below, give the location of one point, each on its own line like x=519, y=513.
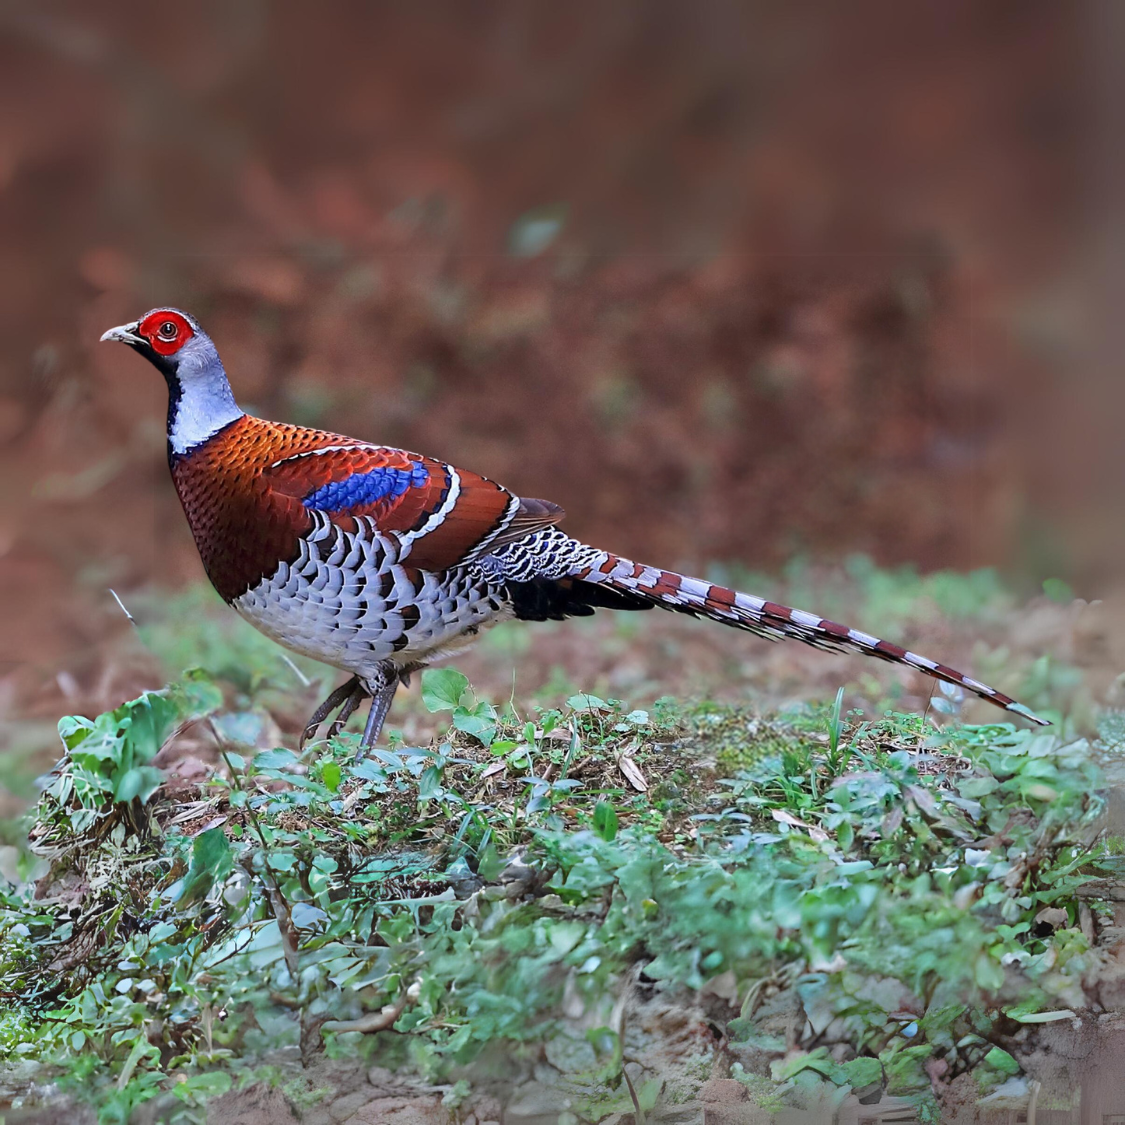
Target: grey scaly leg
x=381, y=698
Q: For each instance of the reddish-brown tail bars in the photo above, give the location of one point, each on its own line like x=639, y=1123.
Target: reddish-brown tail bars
x=678, y=592
x=380, y=562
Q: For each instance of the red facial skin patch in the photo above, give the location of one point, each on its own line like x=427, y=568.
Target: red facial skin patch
x=166, y=331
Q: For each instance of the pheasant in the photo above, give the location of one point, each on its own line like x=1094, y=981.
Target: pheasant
x=381, y=562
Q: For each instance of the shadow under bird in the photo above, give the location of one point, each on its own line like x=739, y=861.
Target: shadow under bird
x=381, y=562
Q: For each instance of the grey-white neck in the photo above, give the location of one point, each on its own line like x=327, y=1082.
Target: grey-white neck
x=200, y=400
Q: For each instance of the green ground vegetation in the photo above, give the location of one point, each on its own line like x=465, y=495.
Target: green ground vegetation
x=867, y=890
x=850, y=897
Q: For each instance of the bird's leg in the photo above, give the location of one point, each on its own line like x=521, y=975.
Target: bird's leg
x=380, y=704
x=350, y=704
x=342, y=696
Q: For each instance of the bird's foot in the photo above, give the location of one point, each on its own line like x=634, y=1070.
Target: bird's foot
x=346, y=698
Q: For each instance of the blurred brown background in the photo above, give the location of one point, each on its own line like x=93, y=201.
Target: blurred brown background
x=727, y=280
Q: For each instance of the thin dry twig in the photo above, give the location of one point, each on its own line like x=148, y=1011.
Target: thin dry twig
x=373, y=1021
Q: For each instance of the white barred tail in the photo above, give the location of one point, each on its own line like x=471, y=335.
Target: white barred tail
x=669, y=590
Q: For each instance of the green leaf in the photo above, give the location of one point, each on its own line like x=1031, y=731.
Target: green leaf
x=1043, y=1017
x=279, y=759
x=330, y=775
x=162, y=931
x=209, y=1084
x=139, y=782
x=1000, y=1060
x=564, y=936
x=197, y=693
x=859, y=1072
x=977, y=786
x=442, y=688
x=281, y=861
x=817, y=1060
x=745, y=1032
x=480, y=722
x=989, y=974
x=648, y=1093
x=604, y=1040
x=73, y=729
x=211, y=860
x=489, y=865
x=584, y=702
x=605, y=820
x=145, y=723
x=429, y=783
x=1058, y=591
x=243, y=728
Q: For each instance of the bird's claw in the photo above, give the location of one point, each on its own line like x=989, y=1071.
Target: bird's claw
x=347, y=697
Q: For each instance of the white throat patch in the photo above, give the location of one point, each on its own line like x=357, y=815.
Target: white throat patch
x=206, y=404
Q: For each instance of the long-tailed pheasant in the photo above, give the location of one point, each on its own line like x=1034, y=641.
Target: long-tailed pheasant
x=380, y=562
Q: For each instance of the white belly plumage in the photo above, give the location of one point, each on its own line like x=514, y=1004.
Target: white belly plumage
x=348, y=601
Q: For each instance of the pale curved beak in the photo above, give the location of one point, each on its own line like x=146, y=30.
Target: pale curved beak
x=124, y=334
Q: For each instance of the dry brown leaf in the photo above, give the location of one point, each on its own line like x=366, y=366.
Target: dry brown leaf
x=783, y=817
x=633, y=773
x=191, y=811
x=214, y=822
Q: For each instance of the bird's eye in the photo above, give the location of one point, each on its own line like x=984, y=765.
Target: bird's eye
x=168, y=330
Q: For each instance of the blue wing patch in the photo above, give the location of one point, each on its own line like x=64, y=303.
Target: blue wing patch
x=366, y=488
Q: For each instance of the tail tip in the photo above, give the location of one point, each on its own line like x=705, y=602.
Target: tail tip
x=1027, y=713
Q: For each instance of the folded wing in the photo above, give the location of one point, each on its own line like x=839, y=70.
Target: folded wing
x=444, y=516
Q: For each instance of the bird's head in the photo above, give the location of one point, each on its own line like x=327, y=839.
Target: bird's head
x=200, y=401
x=169, y=339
